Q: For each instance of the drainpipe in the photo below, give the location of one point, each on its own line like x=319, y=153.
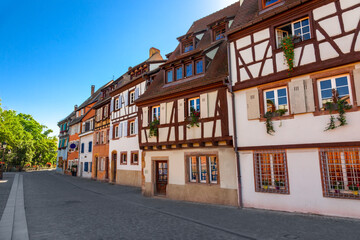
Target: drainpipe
x=238, y=172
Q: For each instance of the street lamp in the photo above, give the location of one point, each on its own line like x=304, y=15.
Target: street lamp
x=2, y=146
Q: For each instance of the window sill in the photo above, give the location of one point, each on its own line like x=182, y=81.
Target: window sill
x=123, y=163
x=134, y=164
x=327, y=112
x=285, y=117
x=205, y=184
x=299, y=44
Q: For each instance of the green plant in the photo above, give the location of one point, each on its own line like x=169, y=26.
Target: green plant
x=353, y=187
x=341, y=105
x=269, y=115
x=287, y=46
x=279, y=183
x=337, y=185
x=265, y=183
x=194, y=118
x=154, y=128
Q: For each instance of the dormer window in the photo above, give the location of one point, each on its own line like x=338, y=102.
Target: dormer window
x=188, y=46
x=188, y=70
x=169, y=76
x=219, y=32
x=179, y=73
x=199, y=66
x=268, y=3
x=299, y=29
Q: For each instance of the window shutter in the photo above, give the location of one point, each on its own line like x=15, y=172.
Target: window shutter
x=145, y=116
x=111, y=132
x=90, y=146
x=356, y=74
x=101, y=113
x=181, y=113
x=297, y=96
x=120, y=101
x=136, y=93
x=253, y=104
x=204, y=105
x=112, y=105
x=162, y=113
x=86, y=166
x=136, y=126
x=309, y=95
x=126, y=99
x=125, y=128
x=120, y=129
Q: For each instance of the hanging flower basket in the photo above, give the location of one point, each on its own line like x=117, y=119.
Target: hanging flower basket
x=287, y=45
x=193, y=118
x=153, y=131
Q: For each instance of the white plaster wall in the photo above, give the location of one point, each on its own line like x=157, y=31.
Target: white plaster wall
x=303, y=128
x=86, y=156
x=305, y=187
x=176, y=165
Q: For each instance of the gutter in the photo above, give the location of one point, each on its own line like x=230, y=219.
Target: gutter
x=238, y=172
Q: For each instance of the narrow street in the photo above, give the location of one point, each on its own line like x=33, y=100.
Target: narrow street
x=64, y=207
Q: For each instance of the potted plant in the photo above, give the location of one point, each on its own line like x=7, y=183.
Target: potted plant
x=354, y=188
x=269, y=115
x=153, y=131
x=337, y=186
x=287, y=46
x=265, y=184
x=279, y=184
x=339, y=105
x=193, y=118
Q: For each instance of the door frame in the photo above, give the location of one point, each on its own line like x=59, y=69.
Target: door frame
x=154, y=164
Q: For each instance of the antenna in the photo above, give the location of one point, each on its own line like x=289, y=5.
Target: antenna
x=113, y=77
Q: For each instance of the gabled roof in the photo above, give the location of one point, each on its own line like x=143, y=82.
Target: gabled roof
x=216, y=72
x=94, y=97
x=250, y=13
x=67, y=118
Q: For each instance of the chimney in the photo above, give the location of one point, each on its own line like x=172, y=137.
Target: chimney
x=152, y=51
x=92, y=89
x=75, y=107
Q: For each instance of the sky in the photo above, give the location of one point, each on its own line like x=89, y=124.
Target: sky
x=51, y=52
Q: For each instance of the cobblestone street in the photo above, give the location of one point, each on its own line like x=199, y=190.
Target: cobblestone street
x=64, y=207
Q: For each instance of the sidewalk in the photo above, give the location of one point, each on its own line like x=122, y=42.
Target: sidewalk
x=5, y=187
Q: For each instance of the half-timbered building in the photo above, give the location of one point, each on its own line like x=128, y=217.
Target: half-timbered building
x=295, y=73
x=184, y=129
x=125, y=164
x=61, y=159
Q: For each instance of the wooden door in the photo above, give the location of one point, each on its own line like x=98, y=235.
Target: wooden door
x=161, y=177
x=106, y=168
x=96, y=167
x=113, y=167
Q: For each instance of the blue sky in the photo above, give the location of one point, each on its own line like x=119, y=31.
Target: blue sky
x=51, y=52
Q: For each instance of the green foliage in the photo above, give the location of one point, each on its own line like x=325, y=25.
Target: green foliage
x=194, y=118
x=341, y=105
x=268, y=123
x=287, y=45
x=154, y=128
x=28, y=142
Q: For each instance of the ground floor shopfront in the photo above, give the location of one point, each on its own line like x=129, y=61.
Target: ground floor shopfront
x=197, y=175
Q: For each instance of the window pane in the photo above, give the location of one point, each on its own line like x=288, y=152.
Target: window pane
x=179, y=73
x=306, y=29
x=169, y=76
x=342, y=81
x=199, y=67
x=283, y=101
x=296, y=25
x=281, y=92
x=193, y=170
x=203, y=170
x=213, y=169
x=269, y=2
x=270, y=95
x=306, y=36
x=189, y=70
x=343, y=91
x=325, y=94
x=305, y=22
x=325, y=84
x=197, y=104
x=297, y=32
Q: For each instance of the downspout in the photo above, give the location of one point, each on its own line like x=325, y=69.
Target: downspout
x=238, y=171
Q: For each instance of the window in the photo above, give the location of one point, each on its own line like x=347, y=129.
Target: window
x=102, y=164
x=188, y=46
x=340, y=169
x=116, y=104
x=199, y=67
x=271, y=171
x=219, y=33
x=82, y=112
x=155, y=113
x=86, y=166
x=123, y=158
x=203, y=169
x=82, y=148
x=267, y=3
x=97, y=138
x=116, y=131
x=276, y=99
x=90, y=146
x=179, y=73
x=188, y=69
x=194, y=103
x=169, y=76
x=328, y=86
x=105, y=111
x=299, y=28
x=132, y=127
x=134, y=158
x=132, y=97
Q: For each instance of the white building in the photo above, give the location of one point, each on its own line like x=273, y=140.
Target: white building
x=86, y=149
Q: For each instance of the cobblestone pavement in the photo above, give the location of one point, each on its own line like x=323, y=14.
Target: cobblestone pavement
x=65, y=207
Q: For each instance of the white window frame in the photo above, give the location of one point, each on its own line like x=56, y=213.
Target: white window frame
x=132, y=97
x=276, y=98
x=333, y=86
x=292, y=23
x=155, y=112
x=197, y=106
x=132, y=127
x=116, y=131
